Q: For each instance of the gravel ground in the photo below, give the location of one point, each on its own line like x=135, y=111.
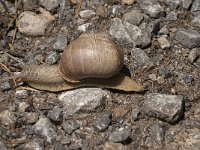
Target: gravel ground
x=161, y=44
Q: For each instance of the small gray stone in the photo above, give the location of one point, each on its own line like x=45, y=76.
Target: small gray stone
x=135, y=114
x=165, y=107
x=172, y=16
x=6, y=85
x=114, y=146
x=196, y=21
x=52, y=58
x=3, y=43
x=134, y=17
x=55, y=114
x=195, y=6
x=61, y=41
x=31, y=117
x=151, y=28
x=164, y=72
x=30, y=23
x=197, y=63
x=173, y=4
x=164, y=43
x=85, y=27
x=186, y=3
x=66, y=140
x=120, y=135
x=45, y=128
x=7, y=118
x=75, y=146
x=193, y=55
x=70, y=126
x=35, y=144
x=21, y=94
x=127, y=33
x=23, y=106
x=188, y=38
x=87, y=14
x=29, y=4
x=156, y=135
x=102, y=122
x=188, y=79
x=2, y=146
x=151, y=7
x=83, y=100
x=164, y=30
x=49, y=4
x=117, y=9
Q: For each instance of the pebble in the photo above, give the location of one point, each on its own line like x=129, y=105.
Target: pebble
x=55, y=114
x=163, y=42
x=164, y=72
x=85, y=27
x=134, y=17
x=29, y=4
x=49, y=4
x=61, y=41
x=23, y=106
x=31, y=117
x=151, y=7
x=156, y=135
x=120, y=135
x=87, y=14
x=173, y=4
x=151, y=28
x=66, y=140
x=102, y=122
x=83, y=100
x=75, y=146
x=193, y=55
x=127, y=33
x=32, y=24
x=35, y=144
x=45, y=128
x=114, y=146
x=135, y=114
x=103, y=11
x=6, y=85
x=117, y=10
x=164, y=30
x=196, y=21
x=186, y=3
x=188, y=79
x=172, y=16
x=7, y=118
x=21, y=94
x=70, y=126
x=52, y=58
x=127, y=2
x=2, y=146
x=188, y=38
x=195, y=6
x=165, y=107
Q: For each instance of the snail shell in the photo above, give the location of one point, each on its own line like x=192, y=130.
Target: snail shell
x=92, y=55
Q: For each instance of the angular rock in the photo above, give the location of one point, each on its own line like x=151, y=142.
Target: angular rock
x=193, y=55
x=31, y=117
x=61, y=41
x=151, y=7
x=173, y=4
x=49, y=4
x=151, y=28
x=188, y=38
x=125, y=32
x=186, y=3
x=32, y=24
x=133, y=17
x=102, y=122
x=156, y=136
x=21, y=94
x=120, y=135
x=70, y=126
x=55, y=114
x=164, y=43
x=85, y=27
x=23, y=106
x=83, y=100
x=7, y=118
x=52, y=58
x=165, y=107
x=196, y=21
x=195, y=6
x=117, y=10
x=29, y=4
x=135, y=114
x=172, y=16
x=35, y=144
x=45, y=128
x=87, y=14
x=114, y=146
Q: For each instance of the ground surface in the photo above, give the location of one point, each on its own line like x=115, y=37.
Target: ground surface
x=160, y=40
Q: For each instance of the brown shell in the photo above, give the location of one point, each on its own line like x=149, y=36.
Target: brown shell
x=91, y=55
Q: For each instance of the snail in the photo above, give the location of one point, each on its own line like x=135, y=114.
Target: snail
x=91, y=60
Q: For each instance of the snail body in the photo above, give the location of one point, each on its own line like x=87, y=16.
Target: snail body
x=91, y=60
